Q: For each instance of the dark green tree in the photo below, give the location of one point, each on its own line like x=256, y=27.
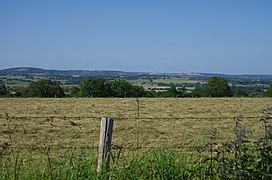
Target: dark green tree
x=268, y=92
x=121, y=88
x=138, y=91
x=216, y=87
x=151, y=93
x=238, y=92
x=182, y=92
x=97, y=87
x=75, y=91
x=3, y=90
x=44, y=88
x=197, y=92
x=172, y=91
x=86, y=87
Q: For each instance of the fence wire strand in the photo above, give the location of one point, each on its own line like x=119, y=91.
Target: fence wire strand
x=123, y=118
x=137, y=118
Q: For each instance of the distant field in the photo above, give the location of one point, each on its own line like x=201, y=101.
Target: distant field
x=177, y=81
x=170, y=80
x=155, y=83
x=37, y=123
x=20, y=82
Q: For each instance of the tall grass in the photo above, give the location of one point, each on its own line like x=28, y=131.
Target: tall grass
x=154, y=164
x=78, y=164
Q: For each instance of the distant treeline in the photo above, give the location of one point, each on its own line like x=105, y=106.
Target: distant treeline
x=100, y=87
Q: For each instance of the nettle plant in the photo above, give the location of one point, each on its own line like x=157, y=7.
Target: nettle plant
x=239, y=158
x=264, y=148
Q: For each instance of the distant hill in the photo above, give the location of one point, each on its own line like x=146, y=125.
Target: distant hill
x=243, y=76
x=29, y=71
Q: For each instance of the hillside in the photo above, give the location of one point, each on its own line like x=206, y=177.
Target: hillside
x=30, y=71
x=146, y=79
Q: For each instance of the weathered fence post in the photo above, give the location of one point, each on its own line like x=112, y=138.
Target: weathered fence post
x=105, y=144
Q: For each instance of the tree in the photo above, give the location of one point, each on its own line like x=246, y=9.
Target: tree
x=268, y=92
x=86, y=87
x=138, y=91
x=196, y=92
x=121, y=88
x=98, y=87
x=3, y=90
x=172, y=91
x=216, y=87
x=182, y=92
x=44, y=88
x=75, y=91
x=239, y=92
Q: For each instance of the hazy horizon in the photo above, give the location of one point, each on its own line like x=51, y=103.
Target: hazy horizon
x=139, y=71
x=225, y=37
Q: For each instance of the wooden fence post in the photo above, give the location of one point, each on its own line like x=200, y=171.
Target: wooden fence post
x=105, y=144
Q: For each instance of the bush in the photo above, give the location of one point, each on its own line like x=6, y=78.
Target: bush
x=3, y=90
x=268, y=92
x=44, y=88
x=216, y=87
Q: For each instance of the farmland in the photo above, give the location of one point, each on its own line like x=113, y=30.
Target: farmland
x=47, y=138
x=17, y=79
x=169, y=122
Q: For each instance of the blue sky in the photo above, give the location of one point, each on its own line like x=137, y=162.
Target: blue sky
x=226, y=36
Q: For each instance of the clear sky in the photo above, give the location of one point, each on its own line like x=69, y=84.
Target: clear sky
x=218, y=36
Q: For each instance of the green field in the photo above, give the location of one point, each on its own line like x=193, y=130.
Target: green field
x=146, y=83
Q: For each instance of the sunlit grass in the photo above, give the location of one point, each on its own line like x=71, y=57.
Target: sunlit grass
x=162, y=122
x=70, y=127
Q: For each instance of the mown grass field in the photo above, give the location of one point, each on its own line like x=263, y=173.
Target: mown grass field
x=60, y=123
x=152, y=138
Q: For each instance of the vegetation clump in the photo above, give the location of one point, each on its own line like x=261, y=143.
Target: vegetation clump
x=3, y=90
x=216, y=87
x=101, y=87
x=44, y=88
x=268, y=92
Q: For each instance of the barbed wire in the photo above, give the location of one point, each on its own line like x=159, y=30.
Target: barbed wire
x=116, y=147
x=8, y=117
x=25, y=146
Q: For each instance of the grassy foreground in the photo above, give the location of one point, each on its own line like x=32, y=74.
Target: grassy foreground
x=247, y=163
x=57, y=138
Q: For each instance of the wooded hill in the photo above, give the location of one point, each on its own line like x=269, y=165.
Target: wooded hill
x=30, y=71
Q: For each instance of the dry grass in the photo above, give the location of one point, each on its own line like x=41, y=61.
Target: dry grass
x=36, y=123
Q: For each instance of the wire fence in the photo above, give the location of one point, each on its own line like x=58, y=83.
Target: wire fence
x=199, y=136
x=134, y=133
x=123, y=118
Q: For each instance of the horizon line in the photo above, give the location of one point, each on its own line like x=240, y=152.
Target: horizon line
x=155, y=72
